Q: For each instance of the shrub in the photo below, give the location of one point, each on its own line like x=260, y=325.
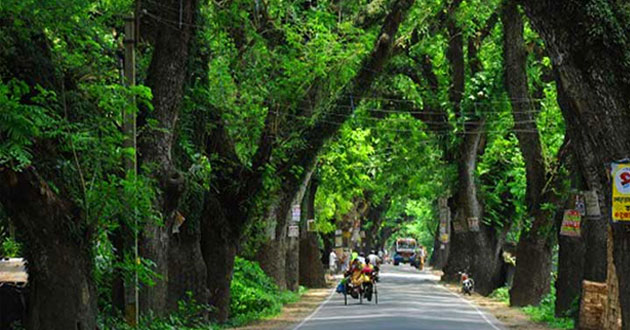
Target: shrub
x=254, y=294
x=544, y=312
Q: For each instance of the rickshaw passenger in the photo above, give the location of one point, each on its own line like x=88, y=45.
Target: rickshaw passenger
x=354, y=273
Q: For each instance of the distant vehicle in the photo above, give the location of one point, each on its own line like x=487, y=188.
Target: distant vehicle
x=405, y=251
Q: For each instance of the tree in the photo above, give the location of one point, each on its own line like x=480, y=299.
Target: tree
x=534, y=251
x=233, y=208
x=592, y=78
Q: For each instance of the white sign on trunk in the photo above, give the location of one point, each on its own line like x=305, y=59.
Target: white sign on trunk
x=295, y=213
x=294, y=231
x=592, y=203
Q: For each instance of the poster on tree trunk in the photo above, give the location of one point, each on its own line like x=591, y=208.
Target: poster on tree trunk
x=571, y=223
x=473, y=224
x=295, y=213
x=310, y=225
x=620, y=173
x=580, y=204
x=294, y=231
x=445, y=215
x=592, y=203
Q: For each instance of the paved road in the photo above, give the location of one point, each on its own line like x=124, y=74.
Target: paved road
x=408, y=299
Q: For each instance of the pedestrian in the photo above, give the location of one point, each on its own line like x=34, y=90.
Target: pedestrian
x=422, y=254
x=332, y=262
x=346, y=261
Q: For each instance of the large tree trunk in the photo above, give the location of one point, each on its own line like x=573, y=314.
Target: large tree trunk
x=478, y=253
x=534, y=251
x=375, y=218
x=312, y=273
x=594, y=228
x=532, y=279
x=439, y=256
x=166, y=77
x=284, y=270
x=62, y=293
x=570, y=267
x=186, y=267
x=219, y=246
x=593, y=74
x=272, y=253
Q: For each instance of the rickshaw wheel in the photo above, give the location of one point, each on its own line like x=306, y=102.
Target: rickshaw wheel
x=345, y=294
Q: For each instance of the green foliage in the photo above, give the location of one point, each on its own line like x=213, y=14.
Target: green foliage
x=190, y=315
x=254, y=295
x=21, y=123
x=544, y=312
x=10, y=248
x=501, y=294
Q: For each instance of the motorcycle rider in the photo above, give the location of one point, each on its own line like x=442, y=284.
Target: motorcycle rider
x=374, y=258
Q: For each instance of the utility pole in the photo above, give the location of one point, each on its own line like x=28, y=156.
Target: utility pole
x=130, y=161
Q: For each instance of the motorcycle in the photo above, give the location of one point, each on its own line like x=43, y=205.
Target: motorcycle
x=468, y=284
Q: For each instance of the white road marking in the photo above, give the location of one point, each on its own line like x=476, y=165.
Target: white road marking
x=473, y=305
x=332, y=293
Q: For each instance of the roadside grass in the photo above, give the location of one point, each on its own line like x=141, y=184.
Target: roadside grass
x=254, y=296
x=543, y=313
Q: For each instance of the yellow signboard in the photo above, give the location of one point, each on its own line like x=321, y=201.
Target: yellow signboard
x=620, y=192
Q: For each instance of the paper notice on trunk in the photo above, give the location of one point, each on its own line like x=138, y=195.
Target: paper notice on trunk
x=294, y=231
x=592, y=203
x=571, y=223
x=620, y=192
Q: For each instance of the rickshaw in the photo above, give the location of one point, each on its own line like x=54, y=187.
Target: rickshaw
x=367, y=288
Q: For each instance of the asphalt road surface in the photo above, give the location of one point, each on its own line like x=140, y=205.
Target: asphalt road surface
x=407, y=299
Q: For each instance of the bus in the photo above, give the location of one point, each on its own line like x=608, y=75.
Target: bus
x=405, y=251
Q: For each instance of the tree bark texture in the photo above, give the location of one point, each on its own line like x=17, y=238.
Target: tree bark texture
x=284, y=270
x=218, y=246
x=534, y=249
x=62, y=293
x=478, y=253
x=312, y=272
x=593, y=71
x=57, y=240
x=186, y=267
x=594, y=228
x=439, y=257
x=570, y=268
x=166, y=77
x=375, y=217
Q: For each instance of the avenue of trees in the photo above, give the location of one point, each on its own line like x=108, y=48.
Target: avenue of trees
x=361, y=112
